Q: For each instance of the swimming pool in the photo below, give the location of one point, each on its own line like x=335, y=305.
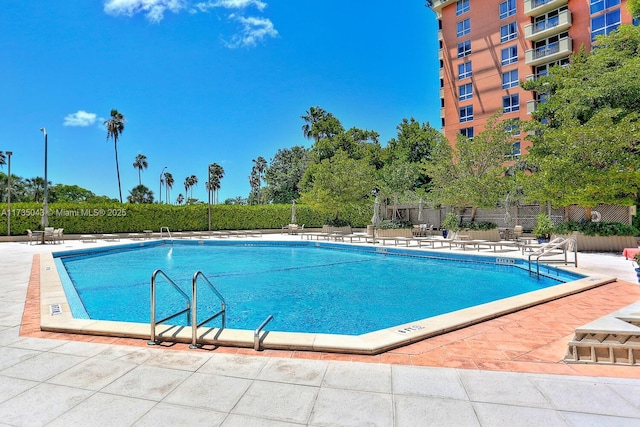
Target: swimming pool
x=308, y=287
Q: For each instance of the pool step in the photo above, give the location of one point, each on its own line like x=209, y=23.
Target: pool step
x=613, y=339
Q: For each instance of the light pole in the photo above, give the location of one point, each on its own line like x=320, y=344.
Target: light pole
x=9, y=153
x=45, y=207
x=208, y=185
x=160, y=193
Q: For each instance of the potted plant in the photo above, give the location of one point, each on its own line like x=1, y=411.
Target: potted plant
x=636, y=259
x=543, y=228
x=449, y=223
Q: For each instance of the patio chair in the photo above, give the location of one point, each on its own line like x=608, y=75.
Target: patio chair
x=30, y=235
x=48, y=234
x=58, y=236
x=517, y=232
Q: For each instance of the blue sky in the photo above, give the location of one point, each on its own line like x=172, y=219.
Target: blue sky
x=202, y=81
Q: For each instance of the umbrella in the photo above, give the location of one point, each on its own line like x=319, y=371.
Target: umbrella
x=420, y=214
x=293, y=212
x=376, y=207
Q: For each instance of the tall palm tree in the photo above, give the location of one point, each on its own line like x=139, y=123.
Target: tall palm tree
x=180, y=199
x=187, y=185
x=313, y=116
x=115, y=127
x=259, y=166
x=3, y=159
x=168, y=182
x=140, y=163
x=193, y=181
x=216, y=173
x=140, y=194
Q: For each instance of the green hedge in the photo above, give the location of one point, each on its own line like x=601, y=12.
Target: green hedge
x=597, y=228
x=80, y=218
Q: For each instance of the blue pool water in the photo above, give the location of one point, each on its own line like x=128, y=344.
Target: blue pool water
x=307, y=287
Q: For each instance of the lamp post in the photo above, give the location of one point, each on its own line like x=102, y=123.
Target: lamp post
x=9, y=153
x=45, y=207
x=160, y=193
x=208, y=185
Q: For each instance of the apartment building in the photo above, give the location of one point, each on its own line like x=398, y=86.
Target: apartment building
x=488, y=46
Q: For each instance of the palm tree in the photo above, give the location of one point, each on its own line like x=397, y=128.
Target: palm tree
x=193, y=181
x=115, y=127
x=255, y=180
x=140, y=194
x=216, y=173
x=3, y=159
x=313, y=116
x=168, y=182
x=180, y=199
x=140, y=163
x=35, y=186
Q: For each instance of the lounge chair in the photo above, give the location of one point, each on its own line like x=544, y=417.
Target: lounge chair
x=30, y=235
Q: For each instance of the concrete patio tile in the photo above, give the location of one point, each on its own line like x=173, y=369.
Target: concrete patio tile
x=40, y=344
x=502, y=387
x=575, y=419
x=427, y=382
x=235, y=420
x=92, y=374
x=125, y=354
x=42, y=366
x=41, y=405
x=335, y=407
x=104, y=410
x=147, y=382
x=164, y=414
x=10, y=356
x=587, y=397
x=10, y=335
x=411, y=411
x=498, y=415
x=233, y=365
x=79, y=348
x=185, y=361
x=11, y=387
x=278, y=401
x=358, y=376
x=296, y=371
x=213, y=392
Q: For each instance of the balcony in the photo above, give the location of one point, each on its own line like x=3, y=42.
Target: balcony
x=549, y=53
x=532, y=106
x=538, y=7
x=544, y=29
x=437, y=5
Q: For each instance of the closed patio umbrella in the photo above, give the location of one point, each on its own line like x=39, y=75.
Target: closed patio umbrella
x=420, y=214
x=376, y=207
x=293, y=212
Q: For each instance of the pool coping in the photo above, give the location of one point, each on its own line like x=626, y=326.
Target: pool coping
x=55, y=316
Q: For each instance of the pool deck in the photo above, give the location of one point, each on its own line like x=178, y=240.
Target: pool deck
x=505, y=371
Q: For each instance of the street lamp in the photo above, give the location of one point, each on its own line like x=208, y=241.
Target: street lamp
x=45, y=207
x=9, y=153
x=160, y=193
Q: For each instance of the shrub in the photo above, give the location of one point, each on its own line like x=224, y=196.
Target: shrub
x=482, y=225
x=544, y=226
x=590, y=228
x=399, y=223
x=450, y=222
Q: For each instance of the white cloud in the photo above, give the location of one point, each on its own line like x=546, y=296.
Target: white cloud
x=253, y=31
x=81, y=118
x=153, y=9
x=230, y=4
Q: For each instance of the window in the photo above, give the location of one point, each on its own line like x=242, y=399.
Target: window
x=508, y=32
x=510, y=55
x=600, y=5
x=604, y=24
x=462, y=6
x=464, y=70
x=464, y=27
x=507, y=8
x=512, y=127
x=466, y=92
x=516, y=149
x=511, y=103
x=510, y=79
x=466, y=114
x=464, y=49
x=468, y=132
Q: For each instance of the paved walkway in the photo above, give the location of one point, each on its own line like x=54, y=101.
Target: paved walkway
x=62, y=381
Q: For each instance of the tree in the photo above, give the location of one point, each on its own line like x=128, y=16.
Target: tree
x=255, y=179
x=168, y=182
x=634, y=8
x=70, y=193
x=216, y=173
x=472, y=173
x=140, y=163
x=398, y=180
x=340, y=182
x=319, y=124
x=587, y=132
x=115, y=127
x=284, y=174
x=180, y=199
x=3, y=159
x=35, y=188
x=140, y=194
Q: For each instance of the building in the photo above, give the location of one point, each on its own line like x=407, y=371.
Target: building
x=488, y=46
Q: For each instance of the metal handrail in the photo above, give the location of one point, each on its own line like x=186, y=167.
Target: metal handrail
x=557, y=243
x=154, y=322
x=168, y=232
x=256, y=333
x=194, y=313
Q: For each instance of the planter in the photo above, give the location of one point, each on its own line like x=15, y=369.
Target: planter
x=603, y=243
x=445, y=233
x=394, y=232
x=492, y=235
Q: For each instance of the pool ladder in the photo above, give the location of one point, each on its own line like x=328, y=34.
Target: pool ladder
x=192, y=311
x=191, y=307
x=557, y=246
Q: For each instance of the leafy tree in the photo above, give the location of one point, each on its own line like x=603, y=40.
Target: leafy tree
x=340, y=182
x=238, y=200
x=35, y=188
x=140, y=163
x=115, y=127
x=70, y=193
x=140, y=194
x=284, y=174
x=586, y=136
x=634, y=8
x=398, y=179
x=472, y=172
x=319, y=124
